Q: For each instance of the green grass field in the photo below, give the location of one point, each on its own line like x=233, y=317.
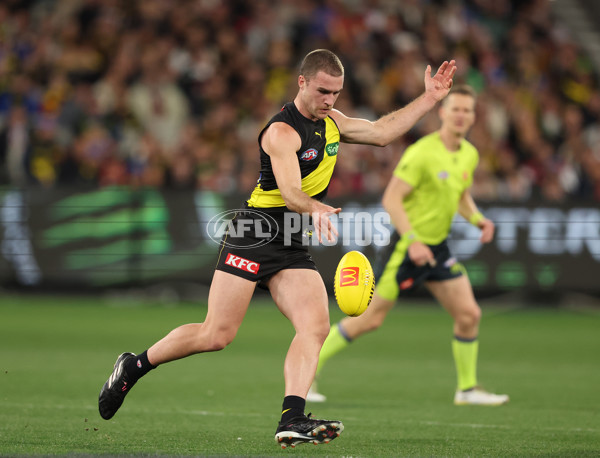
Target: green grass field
x=392, y=389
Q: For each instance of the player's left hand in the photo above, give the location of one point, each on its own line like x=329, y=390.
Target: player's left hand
x=440, y=84
x=487, y=230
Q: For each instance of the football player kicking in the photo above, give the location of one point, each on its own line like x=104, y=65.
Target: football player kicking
x=298, y=151
x=430, y=184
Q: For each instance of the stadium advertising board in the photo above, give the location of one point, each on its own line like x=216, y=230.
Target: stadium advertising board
x=115, y=237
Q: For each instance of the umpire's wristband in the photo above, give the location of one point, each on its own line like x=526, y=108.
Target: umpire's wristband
x=410, y=237
x=476, y=218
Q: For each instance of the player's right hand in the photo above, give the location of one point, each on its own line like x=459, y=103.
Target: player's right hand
x=420, y=254
x=323, y=226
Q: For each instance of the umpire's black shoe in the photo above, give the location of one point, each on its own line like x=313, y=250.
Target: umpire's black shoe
x=115, y=389
x=303, y=429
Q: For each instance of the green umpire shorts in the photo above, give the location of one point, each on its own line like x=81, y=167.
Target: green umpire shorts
x=396, y=272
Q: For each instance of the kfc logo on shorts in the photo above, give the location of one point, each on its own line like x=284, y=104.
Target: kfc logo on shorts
x=309, y=155
x=242, y=264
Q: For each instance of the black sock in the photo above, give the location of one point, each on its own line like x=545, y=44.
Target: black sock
x=293, y=406
x=138, y=367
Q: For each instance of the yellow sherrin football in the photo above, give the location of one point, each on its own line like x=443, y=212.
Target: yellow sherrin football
x=354, y=283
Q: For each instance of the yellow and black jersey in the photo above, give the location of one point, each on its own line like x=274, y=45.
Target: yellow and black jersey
x=316, y=156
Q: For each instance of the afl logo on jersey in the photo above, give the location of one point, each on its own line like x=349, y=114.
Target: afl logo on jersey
x=309, y=155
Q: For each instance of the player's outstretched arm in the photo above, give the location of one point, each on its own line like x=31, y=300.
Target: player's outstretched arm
x=391, y=126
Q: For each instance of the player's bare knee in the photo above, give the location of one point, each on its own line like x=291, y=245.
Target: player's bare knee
x=369, y=326
x=476, y=314
x=469, y=318
x=217, y=344
x=219, y=340
x=317, y=332
x=370, y=321
x=322, y=331
x=377, y=320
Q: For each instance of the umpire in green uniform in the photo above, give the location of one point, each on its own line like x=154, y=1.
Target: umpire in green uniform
x=430, y=184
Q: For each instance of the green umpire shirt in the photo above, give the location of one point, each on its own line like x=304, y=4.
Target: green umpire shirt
x=438, y=177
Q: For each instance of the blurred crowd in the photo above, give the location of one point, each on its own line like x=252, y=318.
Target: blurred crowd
x=173, y=94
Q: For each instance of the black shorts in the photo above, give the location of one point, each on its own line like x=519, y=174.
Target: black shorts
x=396, y=272
x=260, y=242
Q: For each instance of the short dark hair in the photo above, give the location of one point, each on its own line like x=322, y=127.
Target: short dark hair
x=463, y=89
x=321, y=60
